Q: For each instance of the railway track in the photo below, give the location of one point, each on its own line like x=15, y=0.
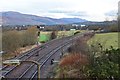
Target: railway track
x=43, y=66
x=43, y=55
x=27, y=55
x=34, y=68
x=11, y=69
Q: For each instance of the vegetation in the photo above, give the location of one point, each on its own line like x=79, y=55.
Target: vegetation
x=104, y=64
x=113, y=28
x=73, y=64
x=104, y=57
x=106, y=26
x=0, y=44
x=76, y=46
x=106, y=40
x=28, y=37
x=13, y=40
x=60, y=34
x=53, y=35
x=96, y=63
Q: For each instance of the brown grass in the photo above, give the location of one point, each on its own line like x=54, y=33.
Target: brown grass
x=73, y=59
x=18, y=52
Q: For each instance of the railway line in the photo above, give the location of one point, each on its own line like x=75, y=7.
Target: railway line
x=28, y=55
x=46, y=62
x=34, y=68
x=39, y=54
x=21, y=68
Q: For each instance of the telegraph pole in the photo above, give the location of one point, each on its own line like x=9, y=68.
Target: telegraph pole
x=119, y=30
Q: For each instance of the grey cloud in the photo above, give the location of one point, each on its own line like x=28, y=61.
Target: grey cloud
x=70, y=13
x=59, y=11
x=111, y=13
x=77, y=14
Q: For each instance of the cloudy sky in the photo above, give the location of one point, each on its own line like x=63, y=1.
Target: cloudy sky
x=93, y=10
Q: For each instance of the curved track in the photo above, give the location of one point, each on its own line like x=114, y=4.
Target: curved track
x=43, y=55
x=29, y=54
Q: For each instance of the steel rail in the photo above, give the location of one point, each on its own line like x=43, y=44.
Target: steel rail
x=29, y=52
x=41, y=64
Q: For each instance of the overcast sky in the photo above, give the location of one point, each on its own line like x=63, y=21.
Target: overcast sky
x=93, y=10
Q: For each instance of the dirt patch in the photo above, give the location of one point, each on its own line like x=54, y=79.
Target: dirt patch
x=25, y=49
x=18, y=52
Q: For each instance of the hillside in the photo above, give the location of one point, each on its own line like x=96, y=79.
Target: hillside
x=16, y=18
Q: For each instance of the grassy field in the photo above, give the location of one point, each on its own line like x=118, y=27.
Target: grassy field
x=63, y=33
x=105, y=39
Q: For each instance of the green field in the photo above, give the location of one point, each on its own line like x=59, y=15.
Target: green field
x=45, y=36
x=105, y=39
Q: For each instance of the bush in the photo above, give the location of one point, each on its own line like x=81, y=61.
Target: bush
x=80, y=45
x=113, y=28
x=29, y=37
x=72, y=66
x=76, y=32
x=53, y=35
x=12, y=40
x=106, y=65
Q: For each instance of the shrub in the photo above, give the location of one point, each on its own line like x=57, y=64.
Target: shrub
x=72, y=66
x=10, y=41
x=29, y=37
x=53, y=35
x=106, y=65
x=80, y=45
x=73, y=59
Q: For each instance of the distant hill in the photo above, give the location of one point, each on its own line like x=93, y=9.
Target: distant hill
x=103, y=23
x=16, y=18
x=73, y=20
